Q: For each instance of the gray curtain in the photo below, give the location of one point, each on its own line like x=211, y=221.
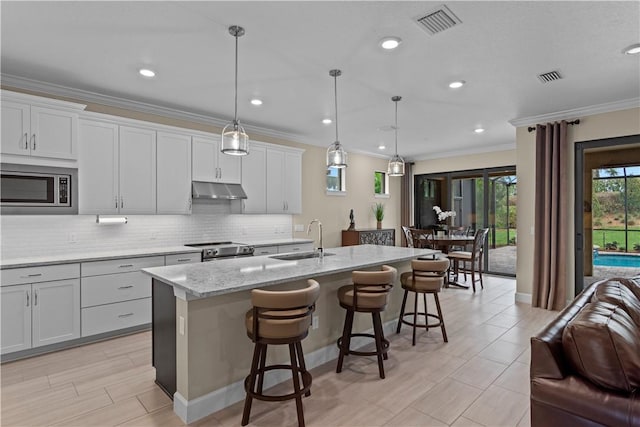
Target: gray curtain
x=405, y=198
x=551, y=217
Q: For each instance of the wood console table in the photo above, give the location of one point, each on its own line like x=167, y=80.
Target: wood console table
x=373, y=236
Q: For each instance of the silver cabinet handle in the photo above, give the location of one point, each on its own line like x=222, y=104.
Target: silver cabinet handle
x=126, y=287
x=34, y=141
x=295, y=249
x=190, y=203
x=116, y=202
x=184, y=259
x=31, y=275
x=27, y=293
x=125, y=266
x=35, y=297
x=26, y=141
x=121, y=202
x=220, y=169
x=125, y=315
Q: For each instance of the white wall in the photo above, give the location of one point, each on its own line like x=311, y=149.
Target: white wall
x=36, y=235
x=597, y=126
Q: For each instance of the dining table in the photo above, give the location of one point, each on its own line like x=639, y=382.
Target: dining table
x=443, y=242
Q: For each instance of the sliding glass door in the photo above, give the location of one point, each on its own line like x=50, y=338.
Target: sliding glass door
x=483, y=198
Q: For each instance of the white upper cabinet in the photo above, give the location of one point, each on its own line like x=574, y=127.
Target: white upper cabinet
x=174, y=173
x=117, y=169
x=137, y=170
x=253, y=180
x=284, y=181
x=209, y=164
x=98, y=191
x=39, y=127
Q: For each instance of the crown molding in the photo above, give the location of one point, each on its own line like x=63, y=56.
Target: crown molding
x=138, y=106
x=466, y=151
x=607, y=107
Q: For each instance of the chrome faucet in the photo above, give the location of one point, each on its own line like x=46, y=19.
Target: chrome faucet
x=320, y=248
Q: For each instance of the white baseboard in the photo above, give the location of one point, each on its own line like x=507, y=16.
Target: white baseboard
x=521, y=297
x=192, y=410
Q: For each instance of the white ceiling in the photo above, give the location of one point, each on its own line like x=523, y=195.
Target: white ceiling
x=290, y=46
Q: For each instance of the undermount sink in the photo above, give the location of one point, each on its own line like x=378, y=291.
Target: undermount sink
x=297, y=256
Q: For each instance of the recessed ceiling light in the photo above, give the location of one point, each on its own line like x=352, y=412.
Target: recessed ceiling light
x=256, y=101
x=457, y=84
x=381, y=147
x=633, y=49
x=389, y=43
x=146, y=72
x=479, y=130
x=327, y=121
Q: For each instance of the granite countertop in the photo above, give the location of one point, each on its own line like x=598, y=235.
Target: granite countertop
x=232, y=275
x=274, y=242
x=66, y=258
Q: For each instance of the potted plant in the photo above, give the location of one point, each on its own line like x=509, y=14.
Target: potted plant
x=378, y=211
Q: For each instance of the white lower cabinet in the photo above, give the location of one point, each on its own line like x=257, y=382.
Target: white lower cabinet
x=265, y=250
x=116, y=294
x=299, y=247
x=39, y=314
x=56, y=312
x=110, y=317
x=16, y=318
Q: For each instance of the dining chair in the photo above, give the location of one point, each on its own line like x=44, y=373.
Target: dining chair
x=422, y=238
x=407, y=235
x=471, y=261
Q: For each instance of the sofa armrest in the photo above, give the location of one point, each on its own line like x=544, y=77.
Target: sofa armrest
x=547, y=354
x=576, y=397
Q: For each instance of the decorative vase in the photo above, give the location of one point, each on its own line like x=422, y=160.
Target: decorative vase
x=379, y=225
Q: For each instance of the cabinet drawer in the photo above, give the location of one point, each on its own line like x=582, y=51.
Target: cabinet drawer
x=182, y=258
x=304, y=247
x=111, y=317
x=46, y=273
x=123, y=265
x=266, y=250
x=109, y=288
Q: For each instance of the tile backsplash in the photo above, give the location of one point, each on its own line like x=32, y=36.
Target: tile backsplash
x=37, y=235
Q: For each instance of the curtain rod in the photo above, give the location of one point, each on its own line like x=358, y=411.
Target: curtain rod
x=575, y=122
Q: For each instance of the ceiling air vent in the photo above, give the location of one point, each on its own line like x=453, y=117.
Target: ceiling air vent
x=437, y=20
x=549, y=77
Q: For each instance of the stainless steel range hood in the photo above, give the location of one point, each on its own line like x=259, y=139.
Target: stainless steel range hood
x=216, y=190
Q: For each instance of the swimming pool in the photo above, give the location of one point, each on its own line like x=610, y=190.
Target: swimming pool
x=616, y=260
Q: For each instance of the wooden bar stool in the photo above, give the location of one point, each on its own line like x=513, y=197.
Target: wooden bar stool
x=369, y=293
x=427, y=277
x=279, y=317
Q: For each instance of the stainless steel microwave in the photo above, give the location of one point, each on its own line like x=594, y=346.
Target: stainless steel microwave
x=37, y=190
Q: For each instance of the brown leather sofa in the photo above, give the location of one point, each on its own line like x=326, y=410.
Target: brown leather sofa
x=585, y=365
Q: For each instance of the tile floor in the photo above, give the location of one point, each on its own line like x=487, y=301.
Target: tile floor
x=479, y=378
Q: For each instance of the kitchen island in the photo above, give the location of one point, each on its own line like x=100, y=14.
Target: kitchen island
x=201, y=349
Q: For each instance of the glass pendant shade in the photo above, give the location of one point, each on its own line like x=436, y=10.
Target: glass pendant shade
x=396, y=163
x=396, y=166
x=235, y=140
x=336, y=156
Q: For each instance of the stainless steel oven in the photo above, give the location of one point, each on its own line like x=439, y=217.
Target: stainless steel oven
x=37, y=190
x=222, y=250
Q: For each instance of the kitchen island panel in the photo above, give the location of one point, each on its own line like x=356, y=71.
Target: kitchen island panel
x=215, y=350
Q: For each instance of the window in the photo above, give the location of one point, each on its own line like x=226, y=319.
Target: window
x=380, y=184
x=336, y=182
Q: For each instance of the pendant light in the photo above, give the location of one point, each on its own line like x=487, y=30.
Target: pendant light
x=336, y=156
x=235, y=140
x=396, y=163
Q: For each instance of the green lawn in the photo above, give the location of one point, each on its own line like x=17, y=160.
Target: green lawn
x=602, y=237
x=501, y=236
